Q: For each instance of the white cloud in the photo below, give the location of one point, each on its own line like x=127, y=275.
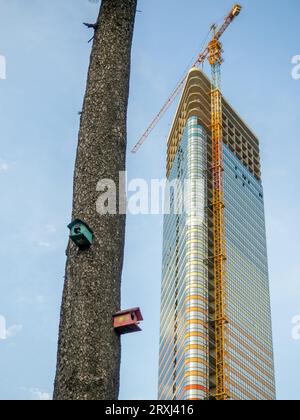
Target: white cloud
x=31, y=299
x=40, y=299
x=7, y=333
x=50, y=228
x=43, y=236
x=36, y=394
x=4, y=167
x=14, y=330
x=39, y=395
x=44, y=244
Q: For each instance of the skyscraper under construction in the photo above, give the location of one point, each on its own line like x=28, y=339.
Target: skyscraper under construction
x=194, y=358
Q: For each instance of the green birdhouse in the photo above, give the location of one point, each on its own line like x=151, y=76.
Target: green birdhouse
x=81, y=234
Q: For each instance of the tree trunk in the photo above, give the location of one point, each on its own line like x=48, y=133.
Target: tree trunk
x=89, y=350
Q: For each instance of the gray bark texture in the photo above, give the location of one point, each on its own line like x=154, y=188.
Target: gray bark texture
x=89, y=350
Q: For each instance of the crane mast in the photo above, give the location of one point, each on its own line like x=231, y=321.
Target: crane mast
x=218, y=208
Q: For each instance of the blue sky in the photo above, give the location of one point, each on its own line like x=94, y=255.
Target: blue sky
x=47, y=55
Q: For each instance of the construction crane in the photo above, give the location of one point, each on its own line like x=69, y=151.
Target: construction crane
x=213, y=52
x=207, y=53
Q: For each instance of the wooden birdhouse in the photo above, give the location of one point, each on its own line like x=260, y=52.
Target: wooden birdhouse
x=126, y=322
x=81, y=234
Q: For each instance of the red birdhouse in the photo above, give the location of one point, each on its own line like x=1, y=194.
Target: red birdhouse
x=126, y=322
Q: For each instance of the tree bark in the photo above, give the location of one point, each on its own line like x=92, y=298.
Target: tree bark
x=89, y=350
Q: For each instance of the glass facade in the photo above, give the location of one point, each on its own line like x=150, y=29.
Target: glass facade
x=184, y=361
x=183, y=369
x=249, y=341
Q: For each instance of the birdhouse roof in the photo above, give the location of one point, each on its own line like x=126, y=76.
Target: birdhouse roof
x=137, y=311
x=79, y=221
